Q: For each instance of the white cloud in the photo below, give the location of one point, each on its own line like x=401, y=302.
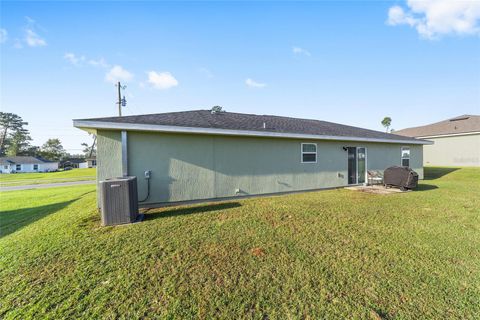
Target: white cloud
x=161, y=80
x=31, y=37
x=301, y=51
x=30, y=21
x=118, y=73
x=253, y=84
x=98, y=63
x=34, y=40
x=433, y=18
x=73, y=59
x=3, y=35
x=82, y=60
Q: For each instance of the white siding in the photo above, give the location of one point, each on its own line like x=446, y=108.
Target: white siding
x=29, y=167
x=51, y=166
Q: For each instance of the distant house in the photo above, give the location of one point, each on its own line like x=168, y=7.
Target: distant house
x=205, y=154
x=89, y=163
x=20, y=164
x=72, y=163
x=456, y=141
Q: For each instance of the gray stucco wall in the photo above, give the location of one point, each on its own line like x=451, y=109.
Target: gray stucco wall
x=455, y=151
x=189, y=167
x=109, y=155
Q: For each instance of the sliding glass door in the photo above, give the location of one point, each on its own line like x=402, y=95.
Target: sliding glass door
x=357, y=164
x=352, y=165
x=361, y=164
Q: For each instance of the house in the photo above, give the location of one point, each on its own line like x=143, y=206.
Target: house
x=456, y=141
x=89, y=163
x=92, y=162
x=21, y=164
x=205, y=154
x=72, y=163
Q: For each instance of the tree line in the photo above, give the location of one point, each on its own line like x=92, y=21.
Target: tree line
x=15, y=140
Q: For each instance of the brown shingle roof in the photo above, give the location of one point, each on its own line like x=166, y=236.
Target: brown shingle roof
x=460, y=124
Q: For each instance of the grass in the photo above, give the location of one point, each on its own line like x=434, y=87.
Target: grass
x=328, y=254
x=19, y=179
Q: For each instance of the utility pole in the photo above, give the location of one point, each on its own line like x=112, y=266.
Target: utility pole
x=121, y=102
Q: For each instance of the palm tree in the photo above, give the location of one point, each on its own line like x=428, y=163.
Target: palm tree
x=386, y=122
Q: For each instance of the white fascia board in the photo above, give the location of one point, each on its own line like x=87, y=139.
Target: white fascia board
x=449, y=135
x=90, y=124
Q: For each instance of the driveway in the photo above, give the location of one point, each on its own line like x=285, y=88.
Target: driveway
x=46, y=185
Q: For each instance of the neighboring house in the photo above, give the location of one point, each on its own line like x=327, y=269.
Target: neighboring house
x=207, y=155
x=72, y=163
x=20, y=164
x=89, y=163
x=456, y=141
x=92, y=162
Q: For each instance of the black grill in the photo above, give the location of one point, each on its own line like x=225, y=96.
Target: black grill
x=401, y=177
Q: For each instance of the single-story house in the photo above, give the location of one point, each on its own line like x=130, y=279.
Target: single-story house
x=71, y=162
x=92, y=162
x=21, y=164
x=89, y=163
x=206, y=154
x=456, y=141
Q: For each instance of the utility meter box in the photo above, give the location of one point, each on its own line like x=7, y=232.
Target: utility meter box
x=119, y=200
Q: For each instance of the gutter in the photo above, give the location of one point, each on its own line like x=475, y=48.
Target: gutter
x=88, y=125
x=449, y=135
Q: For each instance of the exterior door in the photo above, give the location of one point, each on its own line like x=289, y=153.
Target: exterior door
x=357, y=164
x=352, y=165
x=361, y=164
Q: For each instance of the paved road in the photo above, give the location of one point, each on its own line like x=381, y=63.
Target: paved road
x=46, y=185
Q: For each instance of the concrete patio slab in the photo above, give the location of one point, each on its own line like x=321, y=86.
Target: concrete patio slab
x=378, y=189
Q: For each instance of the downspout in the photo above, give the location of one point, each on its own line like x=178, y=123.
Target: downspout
x=124, y=154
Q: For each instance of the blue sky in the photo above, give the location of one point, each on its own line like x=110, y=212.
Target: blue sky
x=346, y=62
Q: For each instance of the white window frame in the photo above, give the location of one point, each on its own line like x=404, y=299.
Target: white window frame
x=409, y=155
x=302, y=153
x=16, y=167
x=35, y=167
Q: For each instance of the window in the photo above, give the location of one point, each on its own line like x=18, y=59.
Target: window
x=406, y=156
x=5, y=167
x=18, y=167
x=35, y=167
x=309, y=152
x=94, y=162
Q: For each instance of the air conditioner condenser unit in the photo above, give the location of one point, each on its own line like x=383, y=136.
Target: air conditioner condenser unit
x=119, y=200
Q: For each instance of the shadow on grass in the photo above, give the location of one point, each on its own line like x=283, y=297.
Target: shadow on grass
x=435, y=173
x=191, y=210
x=12, y=220
x=425, y=187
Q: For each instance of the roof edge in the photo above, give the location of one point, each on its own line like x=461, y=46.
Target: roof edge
x=468, y=133
x=89, y=124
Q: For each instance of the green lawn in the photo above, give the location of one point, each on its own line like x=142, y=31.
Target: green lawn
x=18, y=179
x=329, y=254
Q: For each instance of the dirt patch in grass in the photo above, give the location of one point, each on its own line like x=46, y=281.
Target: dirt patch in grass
x=376, y=189
x=258, y=252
